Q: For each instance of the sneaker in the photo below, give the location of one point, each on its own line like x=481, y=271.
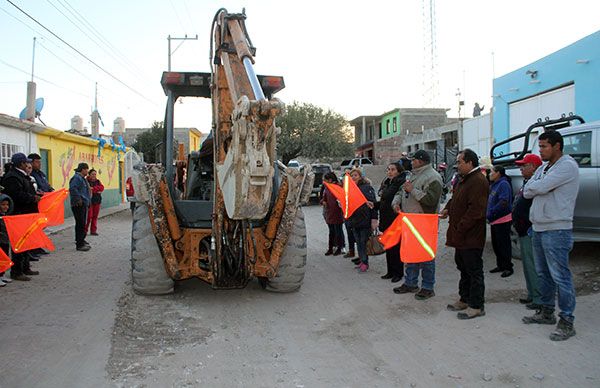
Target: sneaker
x=337, y=252
x=22, y=278
x=471, y=313
x=564, y=330
x=362, y=268
x=404, y=289
x=329, y=252
x=86, y=243
x=424, y=294
x=30, y=272
x=349, y=254
x=356, y=260
x=459, y=305
x=2, y=284
x=84, y=248
x=543, y=316
x=6, y=279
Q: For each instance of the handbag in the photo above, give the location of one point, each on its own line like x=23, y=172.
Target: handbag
x=374, y=246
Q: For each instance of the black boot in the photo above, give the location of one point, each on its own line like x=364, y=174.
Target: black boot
x=564, y=330
x=543, y=316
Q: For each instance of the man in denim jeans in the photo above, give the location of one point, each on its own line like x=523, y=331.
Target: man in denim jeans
x=553, y=188
x=420, y=194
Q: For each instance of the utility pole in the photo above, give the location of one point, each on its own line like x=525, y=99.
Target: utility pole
x=169, y=39
x=95, y=115
x=30, y=112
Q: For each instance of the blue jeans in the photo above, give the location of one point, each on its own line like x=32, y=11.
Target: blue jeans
x=427, y=273
x=551, y=253
x=361, y=235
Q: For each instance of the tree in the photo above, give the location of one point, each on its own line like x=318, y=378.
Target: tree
x=310, y=131
x=147, y=142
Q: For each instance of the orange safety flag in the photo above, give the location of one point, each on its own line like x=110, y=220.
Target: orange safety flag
x=419, y=237
x=25, y=232
x=53, y=206
x=5, y=261
x=393, y=234
x=350, y=196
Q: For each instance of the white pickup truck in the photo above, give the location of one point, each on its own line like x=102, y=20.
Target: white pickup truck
x=582, y=142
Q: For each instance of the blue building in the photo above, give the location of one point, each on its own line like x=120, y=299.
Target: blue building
x=566, y=81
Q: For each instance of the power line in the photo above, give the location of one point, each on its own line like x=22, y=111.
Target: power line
x=81, y=54
x=112, y=50
x=42, y=79
x=178, y=18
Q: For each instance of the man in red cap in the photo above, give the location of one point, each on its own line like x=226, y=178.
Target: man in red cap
x=521, y=223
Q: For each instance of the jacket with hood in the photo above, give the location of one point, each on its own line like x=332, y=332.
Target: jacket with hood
x=361, y=218
x=19, y=187
x=554, y=191
x=500, y=199
x=426, y=193
x=3, y=232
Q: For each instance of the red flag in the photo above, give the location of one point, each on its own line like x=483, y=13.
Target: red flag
x=53, y=206
x=25, y=232
x=393, y=234
x=350, y=196
x=5, y=261
x=419, y=237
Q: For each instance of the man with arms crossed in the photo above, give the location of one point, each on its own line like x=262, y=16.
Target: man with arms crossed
x=554, y=188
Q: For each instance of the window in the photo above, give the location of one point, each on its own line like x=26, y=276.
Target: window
x=579, y=146
x=395, y=125
x=409, y=149
x=387, y=127
x=7, y=150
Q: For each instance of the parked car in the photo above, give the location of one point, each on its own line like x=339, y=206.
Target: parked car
x=582, y=142
x=294, y=164
x=319, y=169
x=356, y=162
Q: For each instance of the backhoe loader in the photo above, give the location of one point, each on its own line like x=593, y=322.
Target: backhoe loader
x=237, y=214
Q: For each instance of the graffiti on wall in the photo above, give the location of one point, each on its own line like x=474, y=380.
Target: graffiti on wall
x=66, y=161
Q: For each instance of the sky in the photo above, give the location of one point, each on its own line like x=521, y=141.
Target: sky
x=356, y=59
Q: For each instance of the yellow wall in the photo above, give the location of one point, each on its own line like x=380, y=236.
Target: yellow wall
x=64, y=153
x=194, y=142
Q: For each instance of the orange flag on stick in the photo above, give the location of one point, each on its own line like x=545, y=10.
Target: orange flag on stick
x=419, y=237
x=5, y=261
x=350, y=196
x=53, y=206
x=393, y=234
x=25, y=232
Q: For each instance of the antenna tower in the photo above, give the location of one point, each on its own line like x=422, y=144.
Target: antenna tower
x=430, y=74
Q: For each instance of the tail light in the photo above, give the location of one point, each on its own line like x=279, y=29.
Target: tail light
x=129, y=191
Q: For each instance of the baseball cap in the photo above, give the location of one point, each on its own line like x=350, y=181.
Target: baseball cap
x=82, y=166
x=530, y=158
x=422, y=155
x=19, y=158
x=34, y=156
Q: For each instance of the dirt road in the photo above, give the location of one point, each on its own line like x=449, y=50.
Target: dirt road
x=78, y=324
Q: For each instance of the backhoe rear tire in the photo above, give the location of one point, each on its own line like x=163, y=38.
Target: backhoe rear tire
x=292, y=264
x=148, y=273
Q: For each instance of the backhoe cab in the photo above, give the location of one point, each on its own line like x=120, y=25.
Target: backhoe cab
x=237, y=216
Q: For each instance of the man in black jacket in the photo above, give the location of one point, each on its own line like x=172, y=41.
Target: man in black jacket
x=19, y=187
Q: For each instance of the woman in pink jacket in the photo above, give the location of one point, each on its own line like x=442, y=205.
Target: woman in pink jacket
x=96, y=188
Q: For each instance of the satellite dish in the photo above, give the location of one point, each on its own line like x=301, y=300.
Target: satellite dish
x=39, y=105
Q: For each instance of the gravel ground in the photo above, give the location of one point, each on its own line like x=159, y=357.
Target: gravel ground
x=78, y=324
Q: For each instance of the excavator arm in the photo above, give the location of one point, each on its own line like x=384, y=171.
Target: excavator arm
x=254, y=199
